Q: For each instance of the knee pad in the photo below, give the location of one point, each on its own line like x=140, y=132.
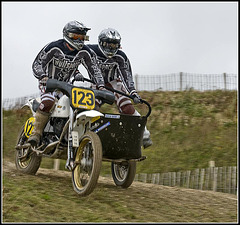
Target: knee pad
x=127, y=109
x=47, y=104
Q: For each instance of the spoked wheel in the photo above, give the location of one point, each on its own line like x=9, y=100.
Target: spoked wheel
x=26, y=160
x=123, y=173
x=88, y=161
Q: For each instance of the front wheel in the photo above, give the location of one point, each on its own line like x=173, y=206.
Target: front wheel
x=26, y=161
x=88, y=160
x=123, y=173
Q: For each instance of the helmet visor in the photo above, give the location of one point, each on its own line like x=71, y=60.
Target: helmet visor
x=75, y=36
x=111, y=46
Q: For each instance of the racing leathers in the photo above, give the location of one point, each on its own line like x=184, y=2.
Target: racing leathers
x=57, y=61
x=117, y=74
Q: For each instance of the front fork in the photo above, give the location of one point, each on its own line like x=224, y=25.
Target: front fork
x=70, y=160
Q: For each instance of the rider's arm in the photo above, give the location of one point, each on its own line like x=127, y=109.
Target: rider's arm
x=125, y=71
x=40, y=64
x=90, y=63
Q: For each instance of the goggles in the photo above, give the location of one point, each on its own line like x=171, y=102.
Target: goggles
x=75, y=36
x=113, y=46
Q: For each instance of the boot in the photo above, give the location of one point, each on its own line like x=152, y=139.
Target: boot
x=41, y=119
x=146, y=134
x=146, y=138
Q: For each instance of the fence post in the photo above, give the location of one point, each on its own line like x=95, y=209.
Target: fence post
x=229, y=179
x=215, y=173
x=136, y=177
x=234, y=181
x=202, y=178
x=56, y=164
x=181, y=73
x=188, y=178
x=225, y=81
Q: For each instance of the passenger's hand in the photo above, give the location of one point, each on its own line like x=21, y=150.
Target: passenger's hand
x=136, y=97
x=43, y=81
x=79, y=77
x=102, y=88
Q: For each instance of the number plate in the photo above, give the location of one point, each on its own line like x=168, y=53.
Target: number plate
x=83, y=98
x=29, y=126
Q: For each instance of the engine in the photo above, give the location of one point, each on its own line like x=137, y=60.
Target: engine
x=53, y=130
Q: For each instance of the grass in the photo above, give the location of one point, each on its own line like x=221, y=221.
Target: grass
x=188, y=130
x=49, y=197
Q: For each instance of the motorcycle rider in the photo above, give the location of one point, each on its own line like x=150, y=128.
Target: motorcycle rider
x=117, y=73
x=60, y=60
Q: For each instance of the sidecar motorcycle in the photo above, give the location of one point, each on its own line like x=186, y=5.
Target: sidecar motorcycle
x=84, y=137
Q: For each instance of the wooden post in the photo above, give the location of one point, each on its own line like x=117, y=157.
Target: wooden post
x=196, y=178
x=145, y=178
x=179, y=178
x=215, y=173
x=56, y=164
x=136, y=177
x=181, y=74
x=188, y=178
x=161, y=178
x=225, y=81
x=211, y=163
x=201, y=179
x=169, y=178
x=153, y=178
x=225, y=179
x=229, y=179
x=158, y=178
x=207, y=179
x=234, y=176
x=174, y=179
x=220, y=179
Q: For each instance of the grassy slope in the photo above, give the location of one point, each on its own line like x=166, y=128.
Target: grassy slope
x=188, y=130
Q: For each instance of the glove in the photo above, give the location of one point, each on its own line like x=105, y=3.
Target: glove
x=102, y=88
x=136, y=97
x=43, y=81
x=79, y=77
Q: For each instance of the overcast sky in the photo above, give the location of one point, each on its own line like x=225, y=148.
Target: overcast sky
x=158, y=37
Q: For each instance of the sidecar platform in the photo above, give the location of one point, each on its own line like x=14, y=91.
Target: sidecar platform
x=121, y=135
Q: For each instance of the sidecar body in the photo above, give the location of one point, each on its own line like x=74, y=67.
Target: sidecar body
x=121, y=136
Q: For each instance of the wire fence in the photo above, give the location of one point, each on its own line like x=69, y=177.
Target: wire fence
x=219, y=179
x=167, y=82
x=185, y=81
x=15, y=103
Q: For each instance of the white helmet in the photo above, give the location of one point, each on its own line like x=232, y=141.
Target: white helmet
x=109, y=42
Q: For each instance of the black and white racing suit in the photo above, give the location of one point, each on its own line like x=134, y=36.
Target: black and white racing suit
x=57, y=61
x=117, y=74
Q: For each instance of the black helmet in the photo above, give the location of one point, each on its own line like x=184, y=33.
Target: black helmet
x=75, y=34
x=109, y=42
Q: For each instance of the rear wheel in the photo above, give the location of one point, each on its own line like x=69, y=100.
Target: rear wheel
x=123, y=173
x=26, y=160
x=88, y=161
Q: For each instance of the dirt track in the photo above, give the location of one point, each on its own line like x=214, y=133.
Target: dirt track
x=10, y=167
x=154, y=203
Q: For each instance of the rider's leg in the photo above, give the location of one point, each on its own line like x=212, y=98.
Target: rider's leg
x=146, y=134
x=125, y=106
x=41, y=118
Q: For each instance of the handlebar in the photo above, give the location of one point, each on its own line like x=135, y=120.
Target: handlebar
x=127, y=95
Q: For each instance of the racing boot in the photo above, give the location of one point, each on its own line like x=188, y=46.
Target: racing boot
x=146, y=134
x=146, y=138
x=41, y=119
